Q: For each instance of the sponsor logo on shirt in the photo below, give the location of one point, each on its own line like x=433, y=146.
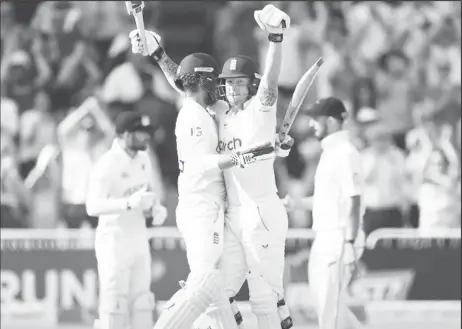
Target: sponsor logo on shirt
x=232, y=145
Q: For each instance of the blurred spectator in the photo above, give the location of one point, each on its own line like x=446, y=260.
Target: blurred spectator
x=68, y=55
x=22, y=78
x=102, y=21
x=395, y=92
x=439, y=194
x=84, y=136
x=15, y=197
x=37, y=129
x=123, y=83
x=384, y=195
x=9, y=118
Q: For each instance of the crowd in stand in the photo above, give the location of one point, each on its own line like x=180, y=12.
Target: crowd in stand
x=67, y=70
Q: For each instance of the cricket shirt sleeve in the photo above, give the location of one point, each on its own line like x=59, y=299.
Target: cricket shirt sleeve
x=351, y=173
x=99, y=201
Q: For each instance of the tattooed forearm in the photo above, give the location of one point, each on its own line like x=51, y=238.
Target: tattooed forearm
x=169, y=67
x=269, y=96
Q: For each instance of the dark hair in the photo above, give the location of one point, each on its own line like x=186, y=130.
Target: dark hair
x=190, y=81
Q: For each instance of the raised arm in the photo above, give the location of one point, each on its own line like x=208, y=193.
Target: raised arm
x=268, y=89
x=156, y=53
x=274, y=22
x=169, y=67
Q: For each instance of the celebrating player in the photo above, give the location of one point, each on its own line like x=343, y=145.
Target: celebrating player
x=337, y=213
x=202, y=194
x=256, y=219
x=119, y=194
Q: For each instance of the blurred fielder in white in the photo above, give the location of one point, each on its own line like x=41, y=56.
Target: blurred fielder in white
x=261, y=128
x=337, y=214
x=120, y=195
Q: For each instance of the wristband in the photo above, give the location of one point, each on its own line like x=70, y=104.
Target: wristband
x=157, y=55
x=352, y=241
x=276, y=38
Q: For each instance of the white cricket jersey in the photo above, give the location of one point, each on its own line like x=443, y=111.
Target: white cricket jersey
x=254, y=124
x=338, y=177
x=197, y=140
x=116, y=175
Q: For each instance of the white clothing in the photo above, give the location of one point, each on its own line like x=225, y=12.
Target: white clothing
x=254, y=124
x=338, y=177
x=197, y=140
x=121, y=242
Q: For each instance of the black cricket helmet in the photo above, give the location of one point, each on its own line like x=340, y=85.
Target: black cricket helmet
x=198, y=64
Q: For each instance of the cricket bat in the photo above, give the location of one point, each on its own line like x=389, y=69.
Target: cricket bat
x=258, y=149
x=301, y=90
x=135, y=8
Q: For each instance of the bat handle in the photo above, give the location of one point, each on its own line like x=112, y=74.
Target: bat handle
x=140, y=26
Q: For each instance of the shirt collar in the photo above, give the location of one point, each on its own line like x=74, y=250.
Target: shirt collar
x=335, y=139
x=188, y=102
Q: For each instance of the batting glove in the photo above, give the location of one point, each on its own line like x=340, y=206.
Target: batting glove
x=244, y=159
x=152, y=42
x=141, y=199
x=282, y=150
x=272, y=19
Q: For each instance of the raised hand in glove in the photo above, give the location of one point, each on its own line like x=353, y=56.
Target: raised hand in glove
x=152, y=42
x=272, y=19
x=283, y=148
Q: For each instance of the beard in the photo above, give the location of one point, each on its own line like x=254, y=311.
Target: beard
x=211, y=98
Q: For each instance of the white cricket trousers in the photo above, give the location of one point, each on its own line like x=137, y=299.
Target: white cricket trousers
x=124, y=270
x=326, y=276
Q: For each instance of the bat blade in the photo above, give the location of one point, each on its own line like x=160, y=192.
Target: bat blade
x=299, y=95
x=258, y=149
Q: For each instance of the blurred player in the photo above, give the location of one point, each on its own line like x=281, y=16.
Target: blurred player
x=202, y=194
x=119, y=194
x=337, y=214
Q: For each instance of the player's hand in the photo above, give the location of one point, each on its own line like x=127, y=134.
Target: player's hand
x=249, y=158
x=142, y=199
x=159, y=215
x=152, y=42
x=350, y=259
x=283, y=148
x=272, y=19
x=288, y=202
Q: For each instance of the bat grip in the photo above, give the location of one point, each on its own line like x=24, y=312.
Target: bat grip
x=140, y=26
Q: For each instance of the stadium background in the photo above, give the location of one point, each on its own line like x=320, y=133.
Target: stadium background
x=67, y=70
